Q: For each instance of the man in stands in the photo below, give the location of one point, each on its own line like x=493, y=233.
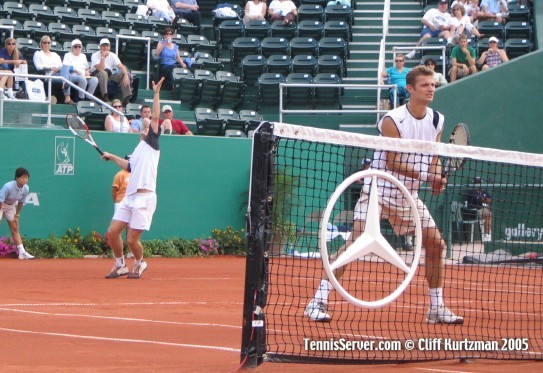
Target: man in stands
x=186, y=9
x=170, y=125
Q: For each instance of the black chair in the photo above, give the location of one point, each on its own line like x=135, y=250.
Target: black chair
x=15, y=10
x=280, y=30
x=18, y=29
x=93, y=115
x=299, y=95
x=517, y=47
x=210, y=88
x=85, y=33
x=314, y=12
x=274, y=45
x=217, y=20
x=92, y=18
x=132, y=5
x=115, y=20
x=491, y=28
x=66, y=15
x=233, y=90
x=333, y=46
x=303, y=45
x=35, y=29
x=433, y=42
x=257, y=29
x=159, y=23
x=118, y=6
x=186, y=87
x=331, y=64
x=253, y=120
x=268, y=89
x=132, y=50
x=337, y=28
x=304, y=64
x=153, y=35
x=77, y=4
x=338, y=12
x=518, y=29
x=242, y=47
x=280, y=64
x=208, y=122
x=199, y=43
x=42, y=13
x=234, y=126
x=327, y=95
x=519, y=13
x=185, y=27
x=252, y=66
x=139, y=23
x=60, y=32
x=28, y=46
x=228, y=31
x=310, y=28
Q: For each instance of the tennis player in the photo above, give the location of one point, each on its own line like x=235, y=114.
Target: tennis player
x=138, y=206
x=12, y=199
x=418, y=122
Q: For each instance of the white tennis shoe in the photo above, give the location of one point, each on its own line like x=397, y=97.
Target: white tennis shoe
x=317, y=311
x=117, y=271
x=137, y=270
x=25, y=255
x=443, y=315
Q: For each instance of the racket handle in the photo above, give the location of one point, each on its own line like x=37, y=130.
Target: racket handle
x=99, y=151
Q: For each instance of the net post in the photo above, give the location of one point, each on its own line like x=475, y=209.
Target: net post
x=259, y=221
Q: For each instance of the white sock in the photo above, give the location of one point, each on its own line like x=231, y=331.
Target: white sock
x=119, y=262
x=21, y=249
x=139, y=261
x=436, y=297
x=323, y=291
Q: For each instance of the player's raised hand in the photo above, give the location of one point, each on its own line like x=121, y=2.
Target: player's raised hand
x=157, y=86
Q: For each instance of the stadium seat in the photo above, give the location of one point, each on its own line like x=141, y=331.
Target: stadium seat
x=139, y=23
x=210, y=88
x=153, y=35
x=305, y=64
x=280, y=64
x=60, y=31
x=185, y=87
x=15, y=10
x=517, y=47
x=253, y=120
x=132, y=111
x=66, y=15
x=491, y=28
x=257, y=29
x=85, y=33
x=219, y=19
x=18, y=29
x=159, y=23
x=107, y=32
x=518, y=29
x=233, y=90
x=333, y=46
x=339, y=12
x=433, y=42
x=229, y=30
x=518, y=13
x=280, y=30
x=482, y=45
x=42, y=13
x=77, y=4
x=311, y=29
x=27, y=46
x=99, y=5
x=208, y=122
x=131, y=50
x=118, y=6
x=314, y=12
x=35, y=29
x=93, y=114
x=242, y=47
x=234, y=126
x=327, y=95
x=199, y=43
x=268, y=88
x=115, y=20
x=337, y=28
x=185, y=27
x=252, y=66
x=92, y=18
x=298, y=95
x=331, y=64
x=274, y=45
x=303, y=45
x=132, y=5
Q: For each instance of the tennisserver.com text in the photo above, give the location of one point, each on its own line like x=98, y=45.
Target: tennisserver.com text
x=423, y=344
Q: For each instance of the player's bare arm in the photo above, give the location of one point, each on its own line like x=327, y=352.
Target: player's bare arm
x=156, y=104
x=394, y=162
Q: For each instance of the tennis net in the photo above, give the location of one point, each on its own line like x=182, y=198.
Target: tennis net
x=298, y=220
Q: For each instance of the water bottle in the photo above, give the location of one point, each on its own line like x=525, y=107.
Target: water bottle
x=16, y=86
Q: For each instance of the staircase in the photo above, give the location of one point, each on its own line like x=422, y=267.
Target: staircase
x=404, y=28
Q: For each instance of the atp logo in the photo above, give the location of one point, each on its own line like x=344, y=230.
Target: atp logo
x=64, y=155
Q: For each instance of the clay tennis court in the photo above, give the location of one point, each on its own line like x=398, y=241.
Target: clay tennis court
x=183, y=315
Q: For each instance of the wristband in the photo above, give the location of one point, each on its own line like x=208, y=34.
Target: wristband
x=423, y=176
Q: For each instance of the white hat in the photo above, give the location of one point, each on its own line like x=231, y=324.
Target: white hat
x=493, y=39
x=76, y=42
x=104, y=41
x=166, y=107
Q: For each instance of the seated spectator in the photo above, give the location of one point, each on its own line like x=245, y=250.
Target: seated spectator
x=480, y=200
x=161, y=8
x=462, y=59
x=339, y=2
x=106, y=66
x=439, y=79
x=462, y=3
x=461, y=23
x=115, y=122
x=474, y=12
x=494, y=10
x=168, y=53
x=187, y=9
x=255, y=10
x=79, y=69
x=49, y=63
x=493, y=56
x=141, y=123
x=396, y=75
x=170, y=125
x=10, y=57
x=282, y=10
x=436, y=24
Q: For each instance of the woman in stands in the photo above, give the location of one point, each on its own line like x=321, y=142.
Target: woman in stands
x=461, y=23
x=255, y=10
x=168, y=53
x=115, y=122
x=10, y=58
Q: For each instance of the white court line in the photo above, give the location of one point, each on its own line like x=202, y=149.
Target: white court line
x=120, y=318
x=113, y=304
x=441, y=370
x=89, y=337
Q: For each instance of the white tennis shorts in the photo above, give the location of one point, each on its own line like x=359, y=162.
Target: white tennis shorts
x=8, y=211
x=137, y=210
x=399, y=216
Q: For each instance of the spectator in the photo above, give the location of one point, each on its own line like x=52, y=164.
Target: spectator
x=462, y=59
x=493, y=56
x=115, y=122
x=108, y=67
x=141, y=123
x=187, y=9
x=169, y=125
x=118, y=188
x=396, y=75
x=439, y=79
x=436, y=24
x=480, y=200
x=474, y=12
x=494, y=10
x=161, y=8
x=461, y=23
x=50, y=63
x=283, y=10
x=10, y=58
x=168, y=53
x=462, y=3
x=255, y=10
x=80, y=69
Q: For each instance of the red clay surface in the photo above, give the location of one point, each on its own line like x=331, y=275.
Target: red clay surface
x=183, y=315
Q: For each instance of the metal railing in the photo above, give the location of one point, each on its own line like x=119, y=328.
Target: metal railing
x=148, y=42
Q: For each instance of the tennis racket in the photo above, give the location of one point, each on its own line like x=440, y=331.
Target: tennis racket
x=459, y=136
x=81, y=130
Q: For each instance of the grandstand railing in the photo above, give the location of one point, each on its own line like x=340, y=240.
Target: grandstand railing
x=443, y=49
x=382, y=51
x=378, y=109
x=11, y=28
x=48, y=95
x=148, y=42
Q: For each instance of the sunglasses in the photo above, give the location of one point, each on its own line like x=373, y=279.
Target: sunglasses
x=10, y=44
x=168, y=33
x=117, y=106
x=399, y=60
x=46, y=42
x=76, y=46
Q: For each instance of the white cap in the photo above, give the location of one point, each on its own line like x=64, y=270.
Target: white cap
x=493, y=39
x=166, y=107
x=104, y=41
x=76, y=42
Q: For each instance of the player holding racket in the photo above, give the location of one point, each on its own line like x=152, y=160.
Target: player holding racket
x=138, y=206
x=418, y=122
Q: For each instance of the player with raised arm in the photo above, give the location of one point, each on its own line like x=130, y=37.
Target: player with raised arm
x=138, y=206
x=418, y=122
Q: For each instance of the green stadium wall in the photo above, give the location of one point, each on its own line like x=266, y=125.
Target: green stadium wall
x=202, y=182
